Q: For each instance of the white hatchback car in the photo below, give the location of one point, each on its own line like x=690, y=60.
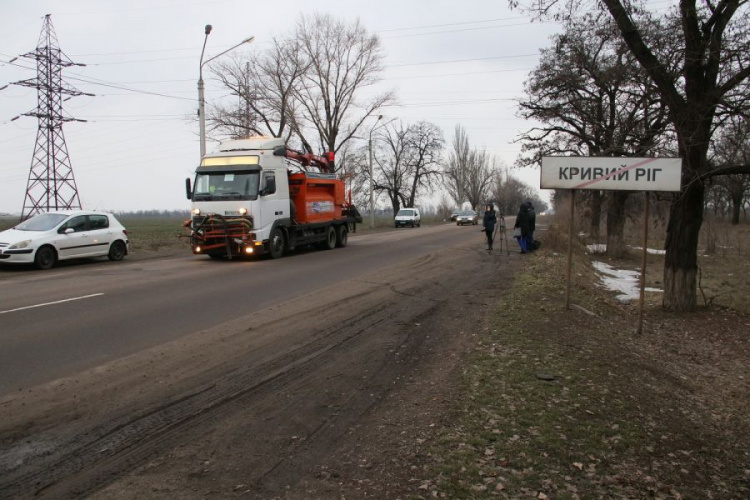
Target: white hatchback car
x=46, y=238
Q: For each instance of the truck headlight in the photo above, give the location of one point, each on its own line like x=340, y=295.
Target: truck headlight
x=196, y=211
x=243, y=211
x=19, y=245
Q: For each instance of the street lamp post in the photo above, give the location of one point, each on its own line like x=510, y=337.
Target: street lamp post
x=201, y=88
x=372, y=196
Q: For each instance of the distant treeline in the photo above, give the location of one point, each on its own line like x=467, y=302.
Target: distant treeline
x=155, y=214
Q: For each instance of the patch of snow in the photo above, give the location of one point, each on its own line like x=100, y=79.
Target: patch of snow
x=652, y=251
x=621, y=280
x=602, y=248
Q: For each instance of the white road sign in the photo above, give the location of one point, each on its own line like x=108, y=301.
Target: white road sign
x=627, y=174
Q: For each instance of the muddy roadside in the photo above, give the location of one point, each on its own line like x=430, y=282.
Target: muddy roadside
x=317, y=398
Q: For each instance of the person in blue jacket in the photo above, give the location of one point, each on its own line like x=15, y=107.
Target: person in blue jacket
x=526, y=221
x=489, y=221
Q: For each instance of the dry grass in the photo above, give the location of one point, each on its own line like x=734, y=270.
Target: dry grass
x=660, y=415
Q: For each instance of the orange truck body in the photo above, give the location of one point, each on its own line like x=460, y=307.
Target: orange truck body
x=316, y=198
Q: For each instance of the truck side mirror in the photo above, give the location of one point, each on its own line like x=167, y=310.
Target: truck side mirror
x=270, y=186
x=188, y=190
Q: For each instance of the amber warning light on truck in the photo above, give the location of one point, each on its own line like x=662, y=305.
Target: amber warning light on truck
x=629, y=174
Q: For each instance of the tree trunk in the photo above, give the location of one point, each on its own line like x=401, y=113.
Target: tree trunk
x=616, y=224
x=681, y=260
x=396, y=204
x=736, y=205
x=596, y=215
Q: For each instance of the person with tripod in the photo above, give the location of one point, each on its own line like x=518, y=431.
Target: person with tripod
x=489, y=221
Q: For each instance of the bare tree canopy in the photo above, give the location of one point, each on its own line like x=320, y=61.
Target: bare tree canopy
x=408, y=160
x=456, y=168
x=263, y=84
x=306, y=85
x=731, y=153
x=342, y=59
x=592, y=99
x=508, y=193
x=713, y=41
x=468, y=172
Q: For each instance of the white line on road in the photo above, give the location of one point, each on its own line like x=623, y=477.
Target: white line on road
x=52, y=303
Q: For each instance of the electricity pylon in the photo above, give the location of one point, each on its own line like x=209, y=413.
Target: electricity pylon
x=51, y=184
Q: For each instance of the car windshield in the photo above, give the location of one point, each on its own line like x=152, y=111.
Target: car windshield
x=226, y=186
x=41, y=222
x=467, y=212
x=405, y=212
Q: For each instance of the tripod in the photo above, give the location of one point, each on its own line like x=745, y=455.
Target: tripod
x=503, y=234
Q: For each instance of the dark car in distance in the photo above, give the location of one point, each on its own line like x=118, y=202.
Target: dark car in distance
x=467, y=217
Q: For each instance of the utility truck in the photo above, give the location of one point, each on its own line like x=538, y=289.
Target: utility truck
x=256, y=196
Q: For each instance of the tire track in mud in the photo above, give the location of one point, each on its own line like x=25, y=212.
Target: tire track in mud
x=93, y=459
x=315, y=446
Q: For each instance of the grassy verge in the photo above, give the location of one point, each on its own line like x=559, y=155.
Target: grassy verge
x=155, y=234
x=572, y=404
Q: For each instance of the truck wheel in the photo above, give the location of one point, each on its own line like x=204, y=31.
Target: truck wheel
x=330, y=242
x=342, y=236
x=276, y=244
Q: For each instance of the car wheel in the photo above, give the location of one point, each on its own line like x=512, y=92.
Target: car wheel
x=342, y=236
x=117, y=251
x=330, y=242
x=45, y=258
x=419, y=223
x=276, y=244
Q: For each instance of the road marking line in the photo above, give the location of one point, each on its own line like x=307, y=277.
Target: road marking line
x=52, y=303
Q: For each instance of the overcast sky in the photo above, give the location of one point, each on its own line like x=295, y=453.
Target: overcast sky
x=449, y=62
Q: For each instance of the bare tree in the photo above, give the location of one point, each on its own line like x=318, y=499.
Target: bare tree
x=341, y=60
x=732, y=149
x=263, y=84
x=407, y=160
x=456, y=168
x=591, y=99
x=481, y=170
x=425, y=147
x=714, y=42
x=508, y=192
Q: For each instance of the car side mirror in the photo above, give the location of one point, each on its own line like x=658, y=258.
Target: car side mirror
x=188, y=189
x=69, y=230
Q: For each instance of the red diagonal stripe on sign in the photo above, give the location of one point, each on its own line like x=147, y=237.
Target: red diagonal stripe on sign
x=616, y=172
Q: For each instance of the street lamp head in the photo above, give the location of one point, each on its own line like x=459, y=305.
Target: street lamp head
x=380, y=117
x=248, y=40
x=208, y=29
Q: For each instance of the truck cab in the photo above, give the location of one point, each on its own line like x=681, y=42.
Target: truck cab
x=241, y=202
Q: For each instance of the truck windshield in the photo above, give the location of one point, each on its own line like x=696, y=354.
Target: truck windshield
x=226, y=186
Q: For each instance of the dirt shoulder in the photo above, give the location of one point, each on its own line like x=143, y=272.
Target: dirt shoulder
x=574, y=404
x=323, y=396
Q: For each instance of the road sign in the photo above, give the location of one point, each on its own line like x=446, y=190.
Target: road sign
x=626, y=174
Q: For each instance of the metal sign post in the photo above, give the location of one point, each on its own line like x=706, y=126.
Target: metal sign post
x=569, y=270
x=642, y=298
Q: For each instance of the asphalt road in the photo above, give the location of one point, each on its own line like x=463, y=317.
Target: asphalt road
x=54, y=324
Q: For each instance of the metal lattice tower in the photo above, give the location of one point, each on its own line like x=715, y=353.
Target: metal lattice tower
x=51, y=185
